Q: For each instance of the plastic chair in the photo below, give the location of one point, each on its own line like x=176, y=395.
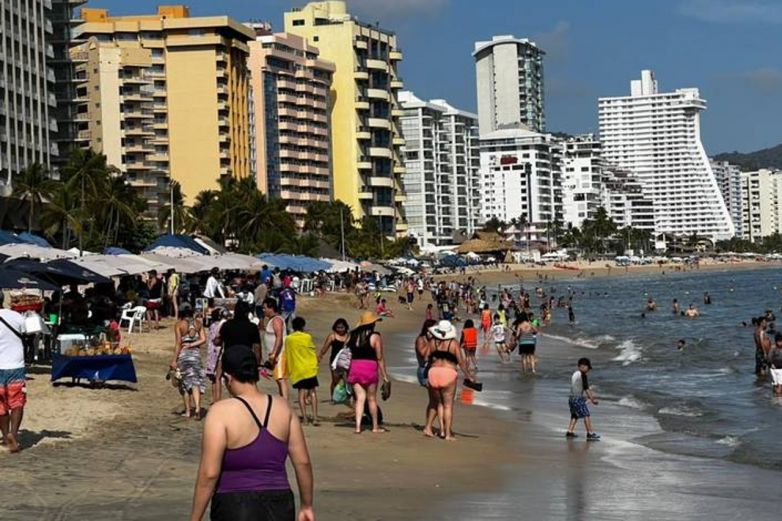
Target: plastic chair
x=132, y=316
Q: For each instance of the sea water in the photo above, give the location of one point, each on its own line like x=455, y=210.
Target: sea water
x=694, y=430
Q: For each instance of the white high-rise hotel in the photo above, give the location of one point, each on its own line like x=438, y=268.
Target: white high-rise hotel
x=657, y=137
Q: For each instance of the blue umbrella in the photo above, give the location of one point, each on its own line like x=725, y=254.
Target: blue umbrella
x=14, y=279
x=34, y=239
x=61, y=271
x=300, y=263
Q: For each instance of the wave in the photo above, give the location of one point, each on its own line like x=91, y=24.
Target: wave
x=680, y=411
x=586, y=342
x=730, y=441
x=632, y=402
x=629, y=352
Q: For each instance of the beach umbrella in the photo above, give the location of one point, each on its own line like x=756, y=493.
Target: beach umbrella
x=14, y=279
x=31, y=238
x=181, y=243
x=299, y=263
x=61, y=272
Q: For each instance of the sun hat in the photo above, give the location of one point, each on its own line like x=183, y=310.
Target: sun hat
x=444, y=330
x=367, y=318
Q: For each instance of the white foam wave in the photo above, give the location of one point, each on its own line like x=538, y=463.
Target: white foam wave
x=680, y=411
x=632, y=403
x=580, y=342
x=629, y=352
x=730, y=441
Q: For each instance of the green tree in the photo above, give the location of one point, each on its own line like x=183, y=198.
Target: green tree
x=35, y=187
x=494, y=225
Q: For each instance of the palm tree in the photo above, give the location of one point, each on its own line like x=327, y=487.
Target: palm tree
x=183, y=219
x=84, y=173
x=61, y=216
x=35, y=187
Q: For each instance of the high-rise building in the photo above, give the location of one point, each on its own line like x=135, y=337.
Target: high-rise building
x=366, y=140
x=509, y=74
x=290, y=87
x=761, y=203
x=582, y=181
x=624, y=201
x=27, y=100
x=165, y=96
x=64, y=19
x=729, y=180
x=521, y=178
x=442, y=162
x=656, y=135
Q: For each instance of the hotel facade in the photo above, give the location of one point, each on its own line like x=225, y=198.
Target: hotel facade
x=656, y=136
x=165, y=97
x=367, y=163
x=290, y=86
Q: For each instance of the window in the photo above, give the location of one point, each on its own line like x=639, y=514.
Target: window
x=298, y=22
x=316, y=38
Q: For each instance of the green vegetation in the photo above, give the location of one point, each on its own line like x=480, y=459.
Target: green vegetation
x=766, y=158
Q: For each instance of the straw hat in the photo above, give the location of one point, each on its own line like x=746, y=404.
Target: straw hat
x=444, y=330
x=367, y=318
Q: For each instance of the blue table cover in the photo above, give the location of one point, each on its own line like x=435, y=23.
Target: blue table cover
x=101, y=368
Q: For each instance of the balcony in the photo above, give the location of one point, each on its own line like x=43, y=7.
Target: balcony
x=395, y=55
x=378, y=65
x=381, y=152
x=362, y=105
x=381, y=181
x=399, y=141
x=363, y=133
x=365, y=194
x=379, y=123
x=361, y=44
x=382, y=211
x=361, y=75
x=399, y=169
x=378, y=94
x=400, y=197
x=363, y=164
x=397, y=84
x=397, y=113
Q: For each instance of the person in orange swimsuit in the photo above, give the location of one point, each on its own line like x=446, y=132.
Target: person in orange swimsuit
x=444, y=359
x=469, y=343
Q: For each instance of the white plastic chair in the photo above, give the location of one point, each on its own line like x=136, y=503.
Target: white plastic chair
x=132, y=316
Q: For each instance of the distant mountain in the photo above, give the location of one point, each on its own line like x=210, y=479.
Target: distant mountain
x=766, y=158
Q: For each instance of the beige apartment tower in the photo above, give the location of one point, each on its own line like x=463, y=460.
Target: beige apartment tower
x=290, y=87
x=165, y=96
x=367, y=164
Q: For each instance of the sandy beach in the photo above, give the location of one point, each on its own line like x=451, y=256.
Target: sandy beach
x=124, y=451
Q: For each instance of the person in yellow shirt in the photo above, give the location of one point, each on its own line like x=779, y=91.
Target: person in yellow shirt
x=302, y=359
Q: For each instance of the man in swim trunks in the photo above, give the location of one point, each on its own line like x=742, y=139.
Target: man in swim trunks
x=13, y=390
x=762, y=346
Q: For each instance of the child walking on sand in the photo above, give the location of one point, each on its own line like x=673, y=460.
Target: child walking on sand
x=469, y=343
x=579, y=393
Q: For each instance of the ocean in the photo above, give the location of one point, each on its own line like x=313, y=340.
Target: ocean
x=693, y=429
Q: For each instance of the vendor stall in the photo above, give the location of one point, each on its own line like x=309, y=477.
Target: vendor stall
x=96, y=361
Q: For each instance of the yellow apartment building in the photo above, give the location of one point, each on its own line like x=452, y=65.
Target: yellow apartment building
x=165, y=96
x=290, y=87
x=366, y=137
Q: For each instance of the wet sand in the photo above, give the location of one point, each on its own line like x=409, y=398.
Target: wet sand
x=124, y=452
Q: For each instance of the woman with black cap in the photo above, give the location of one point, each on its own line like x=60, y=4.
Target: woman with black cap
x=242, y=467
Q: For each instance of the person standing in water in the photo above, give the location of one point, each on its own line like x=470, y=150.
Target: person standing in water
x=775, y=363
x=762, y=347
x=579, y=394
x=675, y=308
x=706, y=298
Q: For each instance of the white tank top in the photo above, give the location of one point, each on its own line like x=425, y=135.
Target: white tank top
x=269, y=337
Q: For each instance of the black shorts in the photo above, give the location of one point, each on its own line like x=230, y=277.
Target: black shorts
x=307, y=383
x=271, y=505
x=526, y=349
x=409, y=298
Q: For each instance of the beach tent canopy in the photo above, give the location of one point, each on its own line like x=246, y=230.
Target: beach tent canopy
x=31, y=238
x=114, y=250
x=33, y=251
x=338, y=266
x=300, y=263
x=9, y=238
x=186, y=265
x=371, y=266
x=15, y=279
x=211, y=246
x=177, y=242
x=453, y=261
x=61, y=271
x=484, y=246
x=99, y=265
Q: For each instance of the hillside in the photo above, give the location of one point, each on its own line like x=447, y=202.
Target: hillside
x=766, y=158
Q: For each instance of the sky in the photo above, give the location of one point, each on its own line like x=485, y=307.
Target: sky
x=729, y=49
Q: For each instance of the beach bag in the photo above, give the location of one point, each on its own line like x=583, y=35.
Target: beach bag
x=342, y=360
x=340, y=394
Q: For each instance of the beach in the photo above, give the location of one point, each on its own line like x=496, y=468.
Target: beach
x=123, y=451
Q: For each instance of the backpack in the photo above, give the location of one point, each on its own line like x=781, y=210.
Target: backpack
x=342, y=360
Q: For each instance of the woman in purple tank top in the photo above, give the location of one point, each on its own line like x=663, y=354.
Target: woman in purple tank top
x=247, y=440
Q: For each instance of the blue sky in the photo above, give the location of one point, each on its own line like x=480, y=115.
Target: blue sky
x=730, y=49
